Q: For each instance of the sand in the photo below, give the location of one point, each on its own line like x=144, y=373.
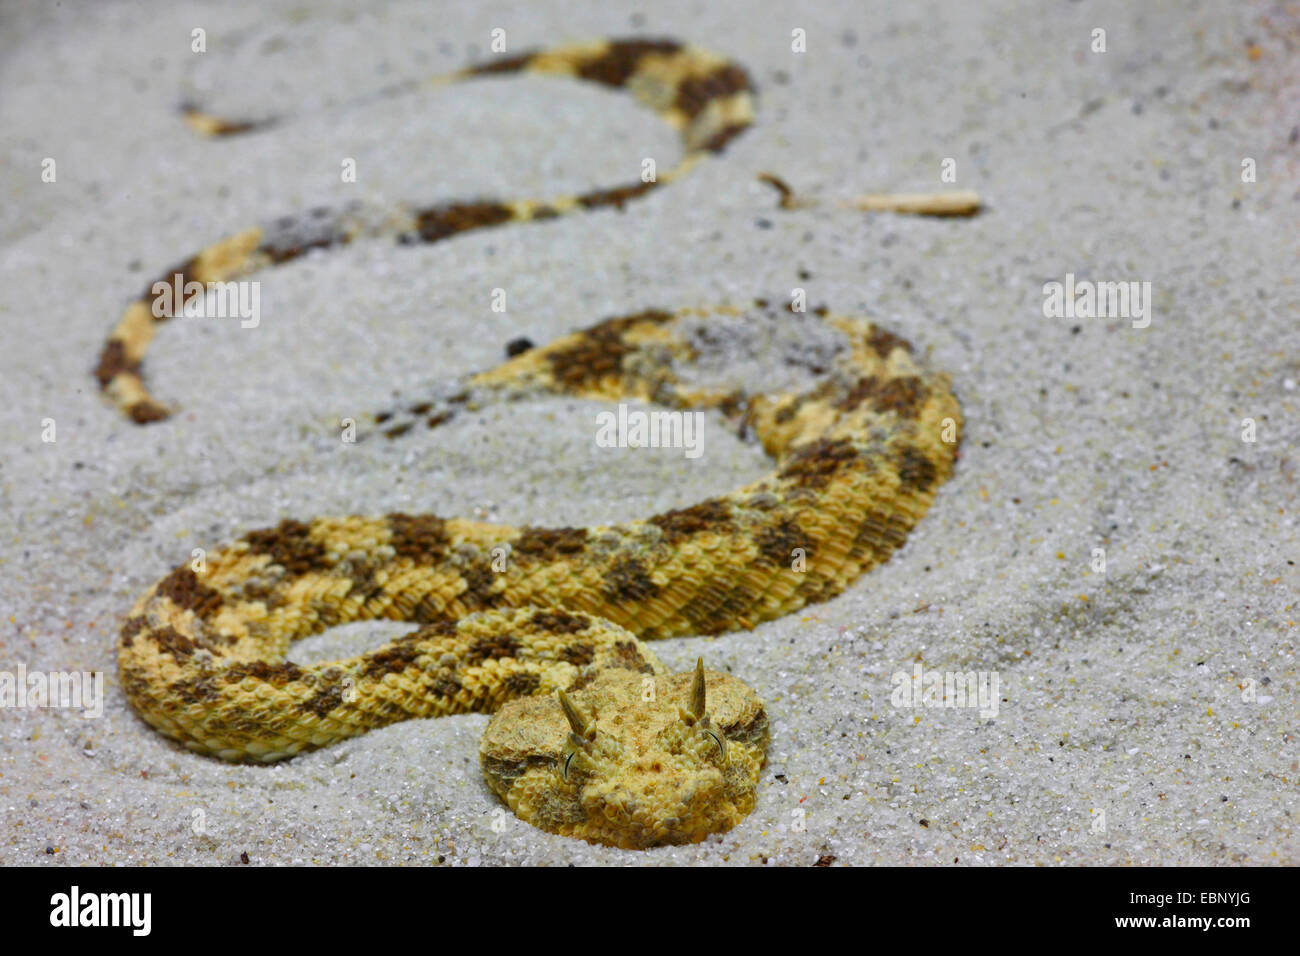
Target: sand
x=1147, y=714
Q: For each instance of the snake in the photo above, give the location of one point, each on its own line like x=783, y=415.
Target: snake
x=548, y=629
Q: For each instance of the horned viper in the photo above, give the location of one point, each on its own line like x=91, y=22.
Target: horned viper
x=545, y=627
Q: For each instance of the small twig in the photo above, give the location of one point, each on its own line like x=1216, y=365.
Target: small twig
x=962, y=203
x=788, y=199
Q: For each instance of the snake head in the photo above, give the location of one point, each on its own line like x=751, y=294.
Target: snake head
x=631, y=759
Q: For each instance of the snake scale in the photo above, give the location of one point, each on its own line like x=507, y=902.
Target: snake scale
x=545, y=628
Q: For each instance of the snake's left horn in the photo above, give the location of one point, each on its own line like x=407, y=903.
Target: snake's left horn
x=584, y=728
x=697, y=690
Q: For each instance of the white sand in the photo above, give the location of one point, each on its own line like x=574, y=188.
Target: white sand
x=1123, y=691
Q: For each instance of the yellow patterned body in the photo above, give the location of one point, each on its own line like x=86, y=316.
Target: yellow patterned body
x=509, y=616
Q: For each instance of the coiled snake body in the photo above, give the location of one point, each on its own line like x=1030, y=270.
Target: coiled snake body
x=545, y=627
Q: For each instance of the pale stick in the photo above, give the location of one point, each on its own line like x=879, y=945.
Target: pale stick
x=958, y=203
x=961, y=203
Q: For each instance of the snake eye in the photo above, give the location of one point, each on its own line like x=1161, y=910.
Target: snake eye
x=721, y=740
x=573, y=747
